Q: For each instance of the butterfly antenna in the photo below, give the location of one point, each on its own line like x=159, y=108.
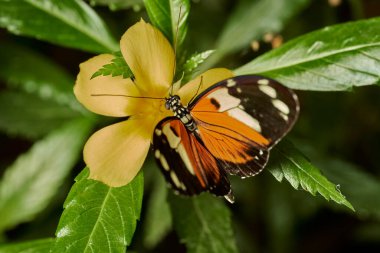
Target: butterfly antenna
x=199, y=87
x=118, y=95
x=175, y=46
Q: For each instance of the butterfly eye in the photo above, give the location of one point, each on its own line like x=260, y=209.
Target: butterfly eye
x=228, y=128
x=167, y=104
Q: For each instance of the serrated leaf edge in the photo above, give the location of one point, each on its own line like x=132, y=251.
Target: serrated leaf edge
x=329, y=197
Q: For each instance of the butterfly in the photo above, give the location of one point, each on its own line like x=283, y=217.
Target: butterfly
x=228, y=129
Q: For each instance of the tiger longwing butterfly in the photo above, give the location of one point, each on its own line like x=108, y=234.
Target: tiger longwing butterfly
x=227, y=129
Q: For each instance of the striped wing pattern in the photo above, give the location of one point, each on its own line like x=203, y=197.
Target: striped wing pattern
x=185, y=162
x=238, y=121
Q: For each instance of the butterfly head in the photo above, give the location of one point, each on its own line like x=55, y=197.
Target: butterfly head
x=173, y=102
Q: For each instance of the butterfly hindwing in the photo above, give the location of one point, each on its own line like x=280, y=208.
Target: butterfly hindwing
x=241, y=118
x=186, y=164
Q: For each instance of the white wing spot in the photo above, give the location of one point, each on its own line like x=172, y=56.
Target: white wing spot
x=231, y=83
x=238, y=90
x=281, y=106
x=157, y=153
x=175, y=143
x=261, y=152
x=263, y=81
x=228, y=100
x=175, y=179
x=158, y=132
x=270, y=91
x=185, y=158
x=296, y=99
x=172, y=138
x=244, y=117
x=164, y=163
x=285, y=117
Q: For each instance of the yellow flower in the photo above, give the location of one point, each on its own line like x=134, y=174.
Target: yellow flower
x=116, y=153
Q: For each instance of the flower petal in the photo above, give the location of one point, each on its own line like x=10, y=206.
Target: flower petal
x=150, y=57
x=210, y=77
x=85, y=88
x=116, y=153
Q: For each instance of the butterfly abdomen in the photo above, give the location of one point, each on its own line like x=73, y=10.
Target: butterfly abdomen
x=229, y=128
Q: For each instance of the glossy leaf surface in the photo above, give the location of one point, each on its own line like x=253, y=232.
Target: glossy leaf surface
x=191, y=64
x=290, y=164
x=167, y=15
x=99, y=218
x=68, y=23
x=333, y=58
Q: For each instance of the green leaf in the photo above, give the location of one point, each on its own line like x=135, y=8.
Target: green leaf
x=158, y=221
x=32, y=180
x=37, y=246
x=251, y=20
x=203, y=223
x=34, y=73
x=334, y=58
x=67, y=23
x=99, y=218
x=192, y=63
x=351, y=178
x=115, y=5
x=29, y=116
x=165, y=16
x=289, y=163
x=118, y=67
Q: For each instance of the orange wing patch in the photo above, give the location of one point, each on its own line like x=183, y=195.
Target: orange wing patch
x=238, y=154
x=186, y=163
x=228, y=113
x=231, y=134
x=229, y=126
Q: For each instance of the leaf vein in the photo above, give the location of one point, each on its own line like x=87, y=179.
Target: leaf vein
x=319, y=57
x=205, y=227
x=349, y=68
x=368, y=55
x=98, y=219
x=305, y=172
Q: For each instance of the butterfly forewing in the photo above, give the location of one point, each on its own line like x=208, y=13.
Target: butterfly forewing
x=262, y=103
x=237, y=121
x=241, y=118
x=186, y=164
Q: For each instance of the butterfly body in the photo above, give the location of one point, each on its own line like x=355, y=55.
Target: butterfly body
x=227, y=129
x=174, y=104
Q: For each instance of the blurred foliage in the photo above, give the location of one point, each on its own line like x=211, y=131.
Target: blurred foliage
x=43, y=128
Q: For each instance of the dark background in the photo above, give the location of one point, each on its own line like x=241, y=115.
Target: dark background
x=268, y=216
